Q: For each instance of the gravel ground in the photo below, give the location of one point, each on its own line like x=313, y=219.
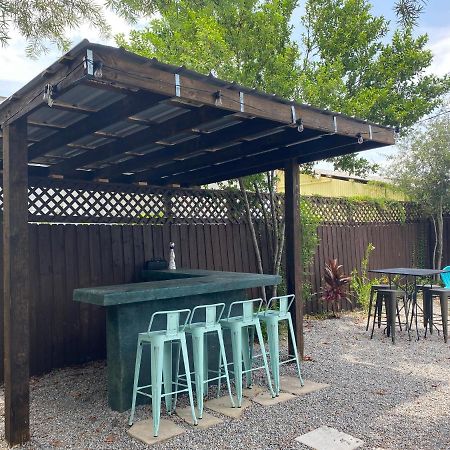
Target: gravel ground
x=392, y=397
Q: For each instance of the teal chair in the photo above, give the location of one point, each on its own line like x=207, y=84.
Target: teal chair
x=276, y=312
x=160, y=342
x=445, y=277
x=204, y=322
x=246, y=320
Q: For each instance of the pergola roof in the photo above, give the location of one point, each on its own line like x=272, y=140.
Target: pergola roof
x=104, y=114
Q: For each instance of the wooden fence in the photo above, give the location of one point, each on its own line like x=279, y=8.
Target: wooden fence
x=64, y=257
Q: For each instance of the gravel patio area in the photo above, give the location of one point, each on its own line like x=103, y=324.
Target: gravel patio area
x=391, y=397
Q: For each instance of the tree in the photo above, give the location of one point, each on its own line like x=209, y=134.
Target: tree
x=422, y=171
x=345, y=60
x=47, y=21
x=409, y=11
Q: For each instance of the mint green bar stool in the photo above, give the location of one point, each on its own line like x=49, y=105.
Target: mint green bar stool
x=277, y=311
x=239, y=326
x=205, y=321
x=160, y=342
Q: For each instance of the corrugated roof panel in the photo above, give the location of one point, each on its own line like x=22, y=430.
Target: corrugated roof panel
x=90, y=97
x=38, y=133
x=56, y=116
x=123, y=128
x=92, y=141
x=66, y=152
x=161, y=112
x=180, y=137
x=147, y=148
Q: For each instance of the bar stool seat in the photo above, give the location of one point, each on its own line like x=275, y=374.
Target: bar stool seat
x=239, y=326
x=444, y=298
x=160, y=343
x=208, y=322
x=272, y=317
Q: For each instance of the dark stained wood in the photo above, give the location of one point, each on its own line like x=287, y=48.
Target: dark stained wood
x=117, y=254
x=153, y=133
x=57, y=258
x=294, y=267
x=183, y=251
x=16, y=283
x=127, y=106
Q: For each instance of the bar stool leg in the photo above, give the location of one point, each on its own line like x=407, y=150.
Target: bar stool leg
x=391, y=307
x=188, y=376
x=137, y=370
x=379, y=310
x=167, y=375
x=198, y=353
x=443, y=298
x=236, y=345
x=274, y=352
x=372, y=290
x=430, y=312
x=157, y=354
x=223, y=356
x=264, y=356
x=247, y=356
x=294, y=345
x=377, y=306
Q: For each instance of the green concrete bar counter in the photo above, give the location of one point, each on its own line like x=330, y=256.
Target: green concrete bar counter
x=130, y=306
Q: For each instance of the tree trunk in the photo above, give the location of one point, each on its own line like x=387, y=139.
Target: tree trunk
x=253, y=233
x=440, y=234
x=435, y=241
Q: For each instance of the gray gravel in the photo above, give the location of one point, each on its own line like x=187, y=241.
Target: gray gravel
x=392, y=397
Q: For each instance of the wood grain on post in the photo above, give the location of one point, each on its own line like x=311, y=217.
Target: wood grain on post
x=16, y=283
x=293, y=249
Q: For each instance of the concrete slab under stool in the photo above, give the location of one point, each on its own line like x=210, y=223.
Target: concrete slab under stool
x=293, y=386
x=143, y=431
x=265, y=398
x=208, y=420
x=222, y=406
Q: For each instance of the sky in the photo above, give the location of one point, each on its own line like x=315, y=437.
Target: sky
x=17, y=69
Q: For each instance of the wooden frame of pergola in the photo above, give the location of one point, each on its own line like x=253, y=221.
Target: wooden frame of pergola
x=103, y=115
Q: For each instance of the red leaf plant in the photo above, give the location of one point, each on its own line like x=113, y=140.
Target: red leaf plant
x=336, y=285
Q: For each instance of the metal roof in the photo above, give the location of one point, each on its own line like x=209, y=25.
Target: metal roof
x=103, y=114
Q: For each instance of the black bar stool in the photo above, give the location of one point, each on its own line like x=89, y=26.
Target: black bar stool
x=374, y=290
x=444, y=297
x=388, y=297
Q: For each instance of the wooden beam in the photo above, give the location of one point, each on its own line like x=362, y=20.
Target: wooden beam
x=275, y=155
x=228, y=153
x=294, y=265
x=129, y=70
x=119, y=110
x=183, y=149
x=129, y=143
x=16, y=283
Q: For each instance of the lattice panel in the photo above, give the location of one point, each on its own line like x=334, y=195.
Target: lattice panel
x=55, y=201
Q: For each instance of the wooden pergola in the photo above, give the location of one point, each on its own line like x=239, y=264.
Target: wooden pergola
x=104, y=116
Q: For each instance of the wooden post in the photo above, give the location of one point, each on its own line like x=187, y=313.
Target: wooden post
x=16, y=282
x=293, y=248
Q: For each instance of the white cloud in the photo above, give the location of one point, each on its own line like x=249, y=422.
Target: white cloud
x=441, y=53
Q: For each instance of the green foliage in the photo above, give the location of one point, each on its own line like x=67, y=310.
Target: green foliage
x=310, y=220
x=353, y=66
x=348, y=59
x=360, y=283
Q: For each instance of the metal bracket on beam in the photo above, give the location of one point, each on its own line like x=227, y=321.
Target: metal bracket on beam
x=49, y=92
x=294, y=115
x=370, y=132
x=335, y=124
x=241, y=101
x=177, y=85
x=89, y=62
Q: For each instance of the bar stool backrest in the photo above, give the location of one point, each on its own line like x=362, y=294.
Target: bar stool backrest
x=245, y=309
x=207, y=315
x=173, y=319
x=284, y=304
x=445, y=277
